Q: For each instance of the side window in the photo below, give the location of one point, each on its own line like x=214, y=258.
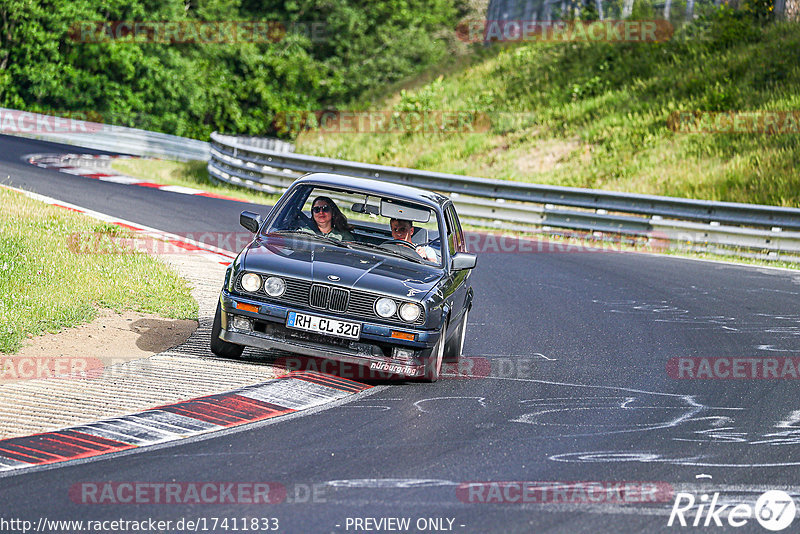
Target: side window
x=455, y=237
x=451, y=232
x=462, y=244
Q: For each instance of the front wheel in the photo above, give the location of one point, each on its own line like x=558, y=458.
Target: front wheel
x=455, y=347
x=434, y=365
x=222, y=348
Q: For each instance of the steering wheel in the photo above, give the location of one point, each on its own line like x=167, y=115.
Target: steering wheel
x=298, y=218
x=412, y=246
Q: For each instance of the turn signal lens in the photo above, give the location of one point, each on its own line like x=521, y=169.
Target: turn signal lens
x=246, y=307
x=403, y=335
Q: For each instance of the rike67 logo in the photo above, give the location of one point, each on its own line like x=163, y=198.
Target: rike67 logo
x=774, y=510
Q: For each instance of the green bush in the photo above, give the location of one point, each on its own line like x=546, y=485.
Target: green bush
x=191, y=89
x=730, y=27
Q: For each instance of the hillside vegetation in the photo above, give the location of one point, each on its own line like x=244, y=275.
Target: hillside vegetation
x=86, y=57
x=596, y=115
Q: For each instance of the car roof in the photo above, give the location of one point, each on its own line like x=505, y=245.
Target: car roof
x=380, y=188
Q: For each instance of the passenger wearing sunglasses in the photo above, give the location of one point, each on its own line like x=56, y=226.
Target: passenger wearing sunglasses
x=329, y=220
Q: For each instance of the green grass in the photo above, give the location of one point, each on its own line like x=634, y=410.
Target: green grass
x=595, y=115
x=58, y=268
x=188, y=174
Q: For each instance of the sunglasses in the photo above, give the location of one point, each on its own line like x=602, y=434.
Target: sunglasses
x=317, y=209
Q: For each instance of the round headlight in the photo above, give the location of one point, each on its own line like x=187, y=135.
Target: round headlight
x=251, y=282
x=274, y=286
x=385, y=307
x=409, y=312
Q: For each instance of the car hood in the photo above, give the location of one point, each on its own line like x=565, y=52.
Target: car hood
x=300, y=257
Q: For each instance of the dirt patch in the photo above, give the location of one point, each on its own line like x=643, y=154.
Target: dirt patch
x=112, y=338
x=547, y=155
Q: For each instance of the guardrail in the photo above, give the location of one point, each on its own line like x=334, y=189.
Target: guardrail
x=99, y=136
x=755, y=230
x=270, y=165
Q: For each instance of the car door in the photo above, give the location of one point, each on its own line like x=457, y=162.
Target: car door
x=456, y=292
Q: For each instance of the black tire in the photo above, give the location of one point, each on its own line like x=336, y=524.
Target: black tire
x=222, y=348
x=433, y=367
x=454, y=347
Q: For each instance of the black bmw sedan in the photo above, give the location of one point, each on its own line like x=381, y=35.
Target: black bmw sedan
x=359, y=271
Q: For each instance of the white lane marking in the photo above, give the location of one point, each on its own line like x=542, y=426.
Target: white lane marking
x=79, y=171
x=418, y=404
x=127, y=431
x=785, y=437
x=791, y=421
x=56, y=162
x=127, y=180
x=144, y=230
x=379, y=406
x=771, y=348
x=293, y=393
x=170, y=421
x=181, y=189
x=8, y=463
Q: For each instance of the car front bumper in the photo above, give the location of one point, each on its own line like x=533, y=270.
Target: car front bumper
x=373, y=356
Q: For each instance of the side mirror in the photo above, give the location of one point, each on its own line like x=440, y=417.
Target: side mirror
x=250, y=220
x=464, y=260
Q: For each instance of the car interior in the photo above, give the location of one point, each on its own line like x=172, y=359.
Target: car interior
x=370, y=215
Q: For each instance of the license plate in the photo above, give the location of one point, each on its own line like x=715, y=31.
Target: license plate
x=323, y=325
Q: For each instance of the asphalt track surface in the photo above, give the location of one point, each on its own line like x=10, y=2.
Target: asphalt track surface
x=578, y=390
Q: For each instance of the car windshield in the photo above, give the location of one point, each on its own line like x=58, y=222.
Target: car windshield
x=362, y=221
